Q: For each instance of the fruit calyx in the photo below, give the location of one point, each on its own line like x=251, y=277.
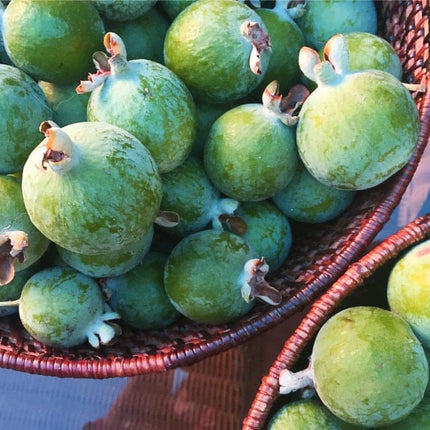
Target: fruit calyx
x=103, y=331
x=293, y=381
x=222, y=212
x=334, y=66
x=167, y=219
x=58, y=149
x=12, y=248
x=105, y=65
x=285, y=108
x=259, y=39
x=254, y=284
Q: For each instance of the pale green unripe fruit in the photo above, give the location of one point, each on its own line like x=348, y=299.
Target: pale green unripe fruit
x=91, y=187
x=408, y=290
x=369, y=368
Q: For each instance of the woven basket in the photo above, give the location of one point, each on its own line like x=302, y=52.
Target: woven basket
x=382, y=256
x=319, y=256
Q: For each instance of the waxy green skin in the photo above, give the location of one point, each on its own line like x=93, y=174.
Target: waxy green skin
x=408, y=290
x=268, y=231
x=52, y=40
x=370, y=51
x=286, y=39
x=369, y=367
x=305, y=199
x=58, y=304
x=14, y=217
x=139, y=296
x=203, y=276
x=108, y=199
x=105, y=264
x=363, y=140
x=145, y=98
x=173, y=8
x=143, y=36
x=67, y=106
x=324, y=18
x=418, y=419
x=23, y=106
x=205, y=48
x=188, y=192
x=303, y=414
x=250, y=155
x=123, y=10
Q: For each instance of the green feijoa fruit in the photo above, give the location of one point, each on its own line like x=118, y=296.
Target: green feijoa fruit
x=4, y=58
x=359, y=355
x=205, y=276
x=21, y=243
x=62, y=307
x=356, y=129
x=305, y=199
x=67, y=106
x=143, y=36
x=268, y=231
x=188, y=192
x=418, y=419
x=23, y=107
x=139, y=295
x=114, y=263
x=408, y=290
x=286, y=39
x=123, y=10
x=52, y=40
x=370, y=51
x=307, y=414
x=323, y=19
x=91, y=187
x=250, y=154
x=220, y=49
x=146, y=99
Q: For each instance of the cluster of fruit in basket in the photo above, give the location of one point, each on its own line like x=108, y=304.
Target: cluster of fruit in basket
x=369, y=366
x=156, y=154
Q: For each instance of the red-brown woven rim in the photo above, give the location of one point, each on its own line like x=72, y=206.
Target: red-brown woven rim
x=323, y=307
x=319, y=256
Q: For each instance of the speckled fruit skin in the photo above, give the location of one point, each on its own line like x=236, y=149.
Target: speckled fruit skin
x=143, y=36
x=250, y=155
x=153, y=104
x=360, y=142
x=324, y=18
x=123, y=10
x=139, y=296
x=58, y=304
x=23, y=107
x=418, y=419
x=67, y=106
x=109, y=198
x=306, y=414
x=13, y=216
x=369, y=367
x=202, y=276
x=114, y=263
x=188, y=191
x=52, y=40
x=205, y=48
x=408, y=290
x=305, y=199
x=268, y=231
x=370, y=51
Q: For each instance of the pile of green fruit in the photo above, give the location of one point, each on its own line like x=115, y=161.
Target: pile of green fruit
x=369, y=364
x=156, y=155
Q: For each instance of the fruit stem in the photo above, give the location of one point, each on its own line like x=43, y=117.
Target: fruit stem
x=254, y=284
x=10, y=303
x=12, y=248
x=221, y=211
x=259, y=39
x=293, y=381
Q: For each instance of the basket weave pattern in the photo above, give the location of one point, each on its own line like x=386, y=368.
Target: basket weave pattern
x=319, y=256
